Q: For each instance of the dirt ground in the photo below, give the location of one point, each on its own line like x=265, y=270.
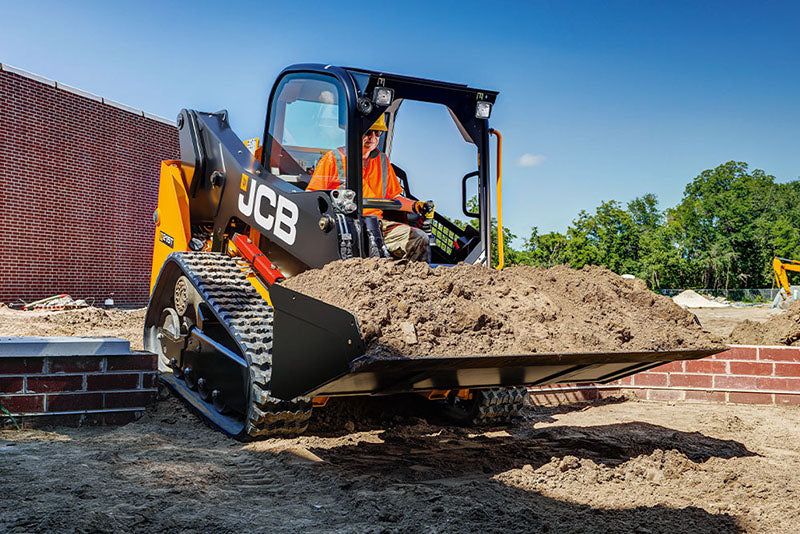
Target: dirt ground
x=630, y=467
x=722, y=321
x=780, y=329
x=394, y=465
x=126, y=324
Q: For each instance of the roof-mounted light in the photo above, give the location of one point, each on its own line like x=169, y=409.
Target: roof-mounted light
x=483, y=110
x=383, y=96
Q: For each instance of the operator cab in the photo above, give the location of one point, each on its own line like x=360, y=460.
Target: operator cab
x=315, y=109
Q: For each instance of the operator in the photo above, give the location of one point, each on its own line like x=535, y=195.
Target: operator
x=379, y=181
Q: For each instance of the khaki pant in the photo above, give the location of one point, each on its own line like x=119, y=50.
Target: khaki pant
x=405, y=242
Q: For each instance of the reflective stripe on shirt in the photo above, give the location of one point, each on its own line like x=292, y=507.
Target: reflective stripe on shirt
x=384, y=173
x=340, y=169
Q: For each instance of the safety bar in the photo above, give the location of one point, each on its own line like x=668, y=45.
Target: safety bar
x=382, y=204
x=500, y=255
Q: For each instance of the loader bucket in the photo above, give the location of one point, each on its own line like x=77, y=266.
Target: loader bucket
x=318, y=351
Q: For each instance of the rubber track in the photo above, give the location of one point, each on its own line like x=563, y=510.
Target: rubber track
x=499, y=405
x=248, y=318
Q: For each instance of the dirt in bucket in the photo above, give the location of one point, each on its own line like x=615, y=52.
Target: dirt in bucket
x=412, y=309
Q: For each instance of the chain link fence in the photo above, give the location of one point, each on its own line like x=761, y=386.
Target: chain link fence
x=735, y=295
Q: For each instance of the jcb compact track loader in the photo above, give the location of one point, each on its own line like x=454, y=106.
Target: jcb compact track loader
x=254, y=356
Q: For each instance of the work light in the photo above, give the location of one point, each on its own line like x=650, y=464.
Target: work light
x=483, y=110
x=383, y=96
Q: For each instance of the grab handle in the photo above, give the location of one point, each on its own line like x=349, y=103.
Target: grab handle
x=464, y=207
x=500, y=256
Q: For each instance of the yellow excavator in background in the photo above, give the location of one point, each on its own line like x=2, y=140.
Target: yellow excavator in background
x=780, y=266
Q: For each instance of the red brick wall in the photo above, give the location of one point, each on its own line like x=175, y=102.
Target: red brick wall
x=77, y=389
x=78, y=186
x=743, y=374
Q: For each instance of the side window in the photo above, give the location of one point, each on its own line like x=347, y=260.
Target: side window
x=307, y=119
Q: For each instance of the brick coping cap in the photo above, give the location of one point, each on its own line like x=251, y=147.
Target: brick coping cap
x=16, y=347
x=764, y=347
x=47, y=81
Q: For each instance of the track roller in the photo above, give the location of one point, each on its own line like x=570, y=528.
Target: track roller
x=487, y=406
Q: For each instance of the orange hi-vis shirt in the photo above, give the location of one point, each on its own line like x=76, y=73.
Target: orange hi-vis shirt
x=326, y=176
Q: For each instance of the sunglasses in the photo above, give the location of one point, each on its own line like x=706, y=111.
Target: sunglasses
x=376, y=133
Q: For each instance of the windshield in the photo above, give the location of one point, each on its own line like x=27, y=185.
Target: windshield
x=307, y=120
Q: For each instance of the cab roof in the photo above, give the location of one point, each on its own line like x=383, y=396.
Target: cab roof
x=390, y=77
x=365, y=78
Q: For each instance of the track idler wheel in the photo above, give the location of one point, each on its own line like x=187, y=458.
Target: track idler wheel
x=167, y=339
x=181, y=295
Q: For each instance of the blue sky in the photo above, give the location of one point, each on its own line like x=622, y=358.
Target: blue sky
x=598, y=100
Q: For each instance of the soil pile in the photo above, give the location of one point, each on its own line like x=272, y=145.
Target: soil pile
x=692, y=299
x=411, y=309
x=127, y=324
x=783, y=329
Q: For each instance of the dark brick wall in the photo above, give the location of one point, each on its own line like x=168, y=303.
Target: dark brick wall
x=77, y=389
x=78, y=186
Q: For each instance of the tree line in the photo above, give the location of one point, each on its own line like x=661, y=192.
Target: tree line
x=722, y=234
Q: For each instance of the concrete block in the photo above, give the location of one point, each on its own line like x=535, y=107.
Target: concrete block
x=79, y=92
x=29, y=75
x=158, y=118
x=63, y=346
x=123, y=107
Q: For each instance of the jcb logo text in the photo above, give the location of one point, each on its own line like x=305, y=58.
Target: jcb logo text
x=277, y=215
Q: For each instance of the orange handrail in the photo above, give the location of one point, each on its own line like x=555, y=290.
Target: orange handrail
x=500, y=254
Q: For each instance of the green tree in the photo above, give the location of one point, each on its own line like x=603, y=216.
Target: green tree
x=644, y=211
x=609, y=237
x=724, y=222
x=545, y=250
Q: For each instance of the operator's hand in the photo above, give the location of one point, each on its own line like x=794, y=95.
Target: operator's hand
x=424, y=208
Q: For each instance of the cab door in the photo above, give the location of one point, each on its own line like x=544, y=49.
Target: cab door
x=307, y=119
